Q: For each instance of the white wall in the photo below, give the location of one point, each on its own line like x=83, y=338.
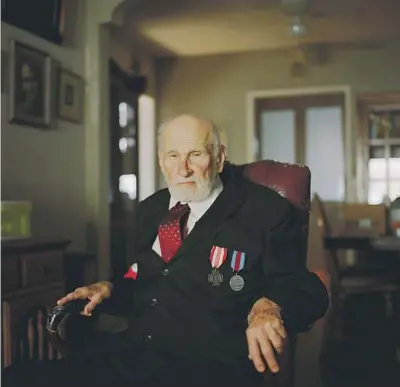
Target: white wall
x=46, y=166
x=216, y=86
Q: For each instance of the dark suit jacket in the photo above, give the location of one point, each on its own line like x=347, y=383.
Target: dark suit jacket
x=174, y=308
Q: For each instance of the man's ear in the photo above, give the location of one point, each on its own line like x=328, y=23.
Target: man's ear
x=160, y=160
x=221, y=158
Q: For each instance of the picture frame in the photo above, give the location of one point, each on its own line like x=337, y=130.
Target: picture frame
x=30, y=85
x=70, y=96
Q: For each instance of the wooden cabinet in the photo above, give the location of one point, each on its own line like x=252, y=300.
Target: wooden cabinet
x=32, y=281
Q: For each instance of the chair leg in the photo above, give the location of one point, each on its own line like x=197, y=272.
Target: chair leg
x=339, y=321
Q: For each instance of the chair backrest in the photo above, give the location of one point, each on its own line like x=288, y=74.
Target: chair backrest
x=291, y=181
x=331, y=256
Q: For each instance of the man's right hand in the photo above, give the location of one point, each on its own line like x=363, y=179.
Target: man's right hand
x=96, y=293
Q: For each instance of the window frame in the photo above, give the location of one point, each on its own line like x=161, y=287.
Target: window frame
x=368, y=103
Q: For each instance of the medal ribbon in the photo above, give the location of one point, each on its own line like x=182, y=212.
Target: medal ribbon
x=238, y=260
x=218, y=256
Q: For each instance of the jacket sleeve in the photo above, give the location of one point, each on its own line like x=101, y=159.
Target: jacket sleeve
x=301, y=295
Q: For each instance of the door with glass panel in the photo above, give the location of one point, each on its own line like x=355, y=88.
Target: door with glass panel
x=306, y=130
x=124, y=179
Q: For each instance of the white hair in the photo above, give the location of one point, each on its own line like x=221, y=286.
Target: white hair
x=215, y=142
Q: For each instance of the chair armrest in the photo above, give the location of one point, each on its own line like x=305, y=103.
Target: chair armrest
x=286, y=376
x=63, y=323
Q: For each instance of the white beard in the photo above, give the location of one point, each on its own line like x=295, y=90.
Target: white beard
x=201, y=191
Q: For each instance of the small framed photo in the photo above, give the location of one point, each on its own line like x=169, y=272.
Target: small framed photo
x=70, y=96
x=30, y=85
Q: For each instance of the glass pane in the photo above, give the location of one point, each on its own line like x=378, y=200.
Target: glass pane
x=395, y=151
x=396, y=119
x=377, y=169
x=128, y=185
x=395, y=125
x=394, y=168
x=376, y=192
x=277, y=136
x=376, y=152
x=125, y=143
x=376, y=129
x=394, y=189
x=324, y=152
x=126, y=114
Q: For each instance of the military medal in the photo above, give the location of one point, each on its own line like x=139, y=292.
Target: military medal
x=215, y=278
x=217, y=258
x=237, y=263
x=236, y=283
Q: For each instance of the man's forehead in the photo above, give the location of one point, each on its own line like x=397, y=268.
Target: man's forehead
x=187, y=129
x=189, y=123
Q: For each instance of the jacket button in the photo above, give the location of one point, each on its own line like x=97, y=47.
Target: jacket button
x=148, y=338
x=153, y=302
x=165, y=272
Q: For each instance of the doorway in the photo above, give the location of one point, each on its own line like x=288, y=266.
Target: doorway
x=305, y=129
x=124, y=167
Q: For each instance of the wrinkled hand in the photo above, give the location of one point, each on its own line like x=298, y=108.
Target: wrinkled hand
x=265, y=334
x=96, y=293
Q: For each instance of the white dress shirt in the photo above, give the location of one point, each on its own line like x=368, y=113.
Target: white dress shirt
x=197, y=210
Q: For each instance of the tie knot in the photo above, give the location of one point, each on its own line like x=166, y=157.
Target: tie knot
x=178, y=207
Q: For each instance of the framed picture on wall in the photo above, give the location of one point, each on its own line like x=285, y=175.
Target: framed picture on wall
x=70, y=96
x=30, y=85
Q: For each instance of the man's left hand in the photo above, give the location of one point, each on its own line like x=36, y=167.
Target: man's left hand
x=265, y=334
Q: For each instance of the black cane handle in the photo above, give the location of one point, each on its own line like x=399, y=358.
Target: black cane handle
x=61, y=312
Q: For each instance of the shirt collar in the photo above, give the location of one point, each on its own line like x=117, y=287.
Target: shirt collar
x=198, y=209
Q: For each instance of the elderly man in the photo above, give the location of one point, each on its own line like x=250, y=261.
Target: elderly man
x=215, y=284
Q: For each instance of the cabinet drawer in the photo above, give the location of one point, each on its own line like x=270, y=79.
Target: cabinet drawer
x=41, y=268
x=9, y=273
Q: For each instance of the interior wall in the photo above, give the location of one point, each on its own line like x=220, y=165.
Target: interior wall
x=46, y=167
x=216, y=86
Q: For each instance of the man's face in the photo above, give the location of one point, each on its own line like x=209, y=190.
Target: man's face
x=186, y=157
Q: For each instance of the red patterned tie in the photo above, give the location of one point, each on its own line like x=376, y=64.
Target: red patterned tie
x=169, y=231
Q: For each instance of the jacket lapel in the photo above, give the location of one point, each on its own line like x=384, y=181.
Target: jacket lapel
x=149, y=227
x=229, y=201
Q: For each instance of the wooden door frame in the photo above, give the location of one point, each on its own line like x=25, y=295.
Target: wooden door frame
x=352, y=185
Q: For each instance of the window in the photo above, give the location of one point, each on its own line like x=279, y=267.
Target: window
x=384, y=156
x=305, y=129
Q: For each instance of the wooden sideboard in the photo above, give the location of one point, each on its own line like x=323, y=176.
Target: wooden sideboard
x=32, y=281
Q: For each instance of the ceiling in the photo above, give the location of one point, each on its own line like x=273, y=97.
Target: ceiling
x=205, y=27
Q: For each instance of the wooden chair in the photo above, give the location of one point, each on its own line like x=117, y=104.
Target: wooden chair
x=344, y=286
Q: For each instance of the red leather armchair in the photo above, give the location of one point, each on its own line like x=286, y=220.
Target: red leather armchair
x=293, y=182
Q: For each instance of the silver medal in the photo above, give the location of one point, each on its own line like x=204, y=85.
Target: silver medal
x=215, y=278
x=236, y=283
